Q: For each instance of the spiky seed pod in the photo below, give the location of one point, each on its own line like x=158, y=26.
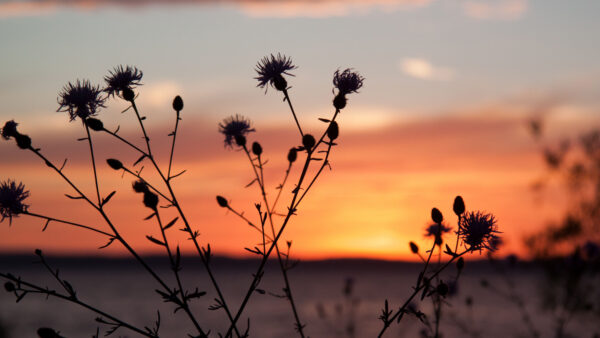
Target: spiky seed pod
x=178, y=103
x=94, y=124
x=436, y=216
x=115, y=164
x=256, y=149
x=292, y=155
x=222, y=201
x=333, y=131
x=414, y=247
x=308, y=141
x=459, y=206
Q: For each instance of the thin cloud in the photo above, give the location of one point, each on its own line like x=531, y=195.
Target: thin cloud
x=422, y=69
x=255, y=8
x=495, y=9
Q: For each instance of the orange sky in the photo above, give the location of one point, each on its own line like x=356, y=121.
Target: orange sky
x=377, y=198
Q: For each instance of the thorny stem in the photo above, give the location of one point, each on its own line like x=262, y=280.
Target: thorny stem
x=283, y=268
x=52, y=219
x=175, y=268
x=188, y=228
x=99, y=208
x=266, y=255
x=89, y=138
x=69, y=298
x=287, y=98
x=417, y=289
x=173, y=145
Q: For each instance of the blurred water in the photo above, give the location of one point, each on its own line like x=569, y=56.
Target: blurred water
x=126, y=291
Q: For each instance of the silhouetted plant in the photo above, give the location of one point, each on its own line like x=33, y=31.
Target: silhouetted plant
x=83, y=100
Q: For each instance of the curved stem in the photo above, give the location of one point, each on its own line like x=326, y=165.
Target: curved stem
x=52, y=219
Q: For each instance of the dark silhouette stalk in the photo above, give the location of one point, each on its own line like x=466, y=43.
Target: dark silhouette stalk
x=89, y=138
x=173, y=145
x=260, y=269
x=52, y=219
x=287, y=98
x=69, y=298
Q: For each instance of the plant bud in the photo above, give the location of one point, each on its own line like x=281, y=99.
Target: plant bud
x=279, y=83
x=38, y=252
x=256, y=149
x=460, y=263
x=333, y=131
x=128, y=94
x=442, y=289
x=308, y=141
x=240, y=140
x=339, y=101
x=292, y=155
x=177, y=103
x=9, y=287
x=139, y=186
x=413, y=247
x=436, y=216
x=459, y=206
x=115, y=164
x=23, y=141
x=94, y=124
x=150, y=199
x=222, y=201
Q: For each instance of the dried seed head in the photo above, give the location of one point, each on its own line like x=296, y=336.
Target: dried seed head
x=256, y=149
x=12, y=198
x=436, y=216
x=235, y=129
x=10, y=129
x=177, y=103
x=122, y=78
x=222, y=201
x=115, y=164
x=292, y=155
x=333, y=131
x=347, y=81
x=270, y=70
x=459, y=206
x=478, y=231
x=308, y=141
x=94, y=124
x=414, y=247
x=80, y=99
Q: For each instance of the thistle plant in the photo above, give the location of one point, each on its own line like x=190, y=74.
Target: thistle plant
x=84, y=101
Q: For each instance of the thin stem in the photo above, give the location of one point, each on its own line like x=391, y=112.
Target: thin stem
x=193, y=235
x=287, y=98
x=280, y=187
x=53, y=293
x=417, y=289
x=138, y=176
x=175, y=267
x=89, y=138
x=254, y=226
x=52, y=219
x=258, y=274
x=325, y=163
x=173, y=145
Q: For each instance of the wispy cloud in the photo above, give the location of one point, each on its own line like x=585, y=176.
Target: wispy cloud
x=256, y=8
x=422, y=69
x=495, y=9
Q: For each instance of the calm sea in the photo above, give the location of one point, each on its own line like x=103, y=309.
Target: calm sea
x=122, y=288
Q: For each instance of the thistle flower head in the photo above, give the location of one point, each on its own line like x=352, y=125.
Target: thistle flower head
x=271, y=69
x=348, y=81
x=80, y=99
x=478, y=231
x=122, y=78
x=234, y=127
x=12, y=196
x=9, y=129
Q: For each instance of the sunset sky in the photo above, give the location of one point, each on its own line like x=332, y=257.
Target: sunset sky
x=450, y=86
